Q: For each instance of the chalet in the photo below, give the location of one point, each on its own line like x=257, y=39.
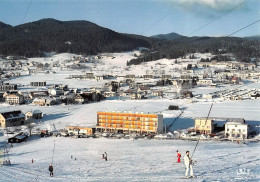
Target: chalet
x=56, y=92
x=12, y=118
x=14, y=99
x=38, y=94
x=18, y=138
x=205, y=82
x=137, y=95
x=81, y=98
x=44, y=101
x=109, y=94
x=40, y=67
x=36, y=114
x=80, y=130
x=236, y=130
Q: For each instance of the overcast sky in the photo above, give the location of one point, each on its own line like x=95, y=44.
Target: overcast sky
x=144, y=17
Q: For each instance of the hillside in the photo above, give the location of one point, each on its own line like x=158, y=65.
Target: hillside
x=3, y=25
x=81, y=37
x=256, y=37
x=242, y=49
x=170, y=36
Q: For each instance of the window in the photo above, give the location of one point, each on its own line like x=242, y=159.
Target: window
x=238, y=135
x=233, y=135
x=228, y=129
x=235, y=125
x=239, y=130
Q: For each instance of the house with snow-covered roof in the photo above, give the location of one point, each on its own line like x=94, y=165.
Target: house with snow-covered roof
x=11, y=118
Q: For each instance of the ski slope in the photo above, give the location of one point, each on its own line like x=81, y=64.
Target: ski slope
x=129, y=160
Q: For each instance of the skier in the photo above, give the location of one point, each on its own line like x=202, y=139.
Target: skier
x=188, y=163
x=51, y=170
x=71, y=156
x=178, y=156
x=105, y=156
x=32, y=160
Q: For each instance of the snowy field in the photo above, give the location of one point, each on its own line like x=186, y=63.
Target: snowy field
x=130, y=160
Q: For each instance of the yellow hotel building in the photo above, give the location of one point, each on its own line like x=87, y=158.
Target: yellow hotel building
x=204, y=125
x=129, y=122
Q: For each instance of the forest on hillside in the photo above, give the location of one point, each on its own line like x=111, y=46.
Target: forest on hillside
x=82, y=37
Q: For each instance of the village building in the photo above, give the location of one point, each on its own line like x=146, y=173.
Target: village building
x=147, y=77
x=14, y=99
x=235, y=80
x=80, y=130
x=204, y=125
x=36, y=114
x=56, y=92
x=81, y=98
x=11, y=118
x=44, y=101
x=131, y=77
x=38, y=94
x=109, y=94
x=166, y=77
x=7, y=86
x=37, y=84
x=205, y=82
x=137, y=95
x=236, y=130
x=129, y=122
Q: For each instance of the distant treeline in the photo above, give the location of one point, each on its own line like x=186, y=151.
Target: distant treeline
x=242, y=49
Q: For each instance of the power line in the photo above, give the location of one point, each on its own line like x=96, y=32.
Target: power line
x=53, y=152
x=203, y=26
x=244, y=28
x=27, y=11
x=200, y=135
x=227, y=12
x=157, y=21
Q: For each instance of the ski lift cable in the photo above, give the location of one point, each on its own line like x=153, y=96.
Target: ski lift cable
x=53, y=152
x=27, y=10
x=200, y=135
x=244, y=27
x=218, y=17
x=203, y=26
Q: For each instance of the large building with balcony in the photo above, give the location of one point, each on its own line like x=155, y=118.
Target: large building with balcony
x=118, y=122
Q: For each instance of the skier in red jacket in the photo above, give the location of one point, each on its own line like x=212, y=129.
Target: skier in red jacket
x=178, y=156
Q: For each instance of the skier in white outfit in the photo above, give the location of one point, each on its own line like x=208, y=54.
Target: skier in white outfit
x=188, y=164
